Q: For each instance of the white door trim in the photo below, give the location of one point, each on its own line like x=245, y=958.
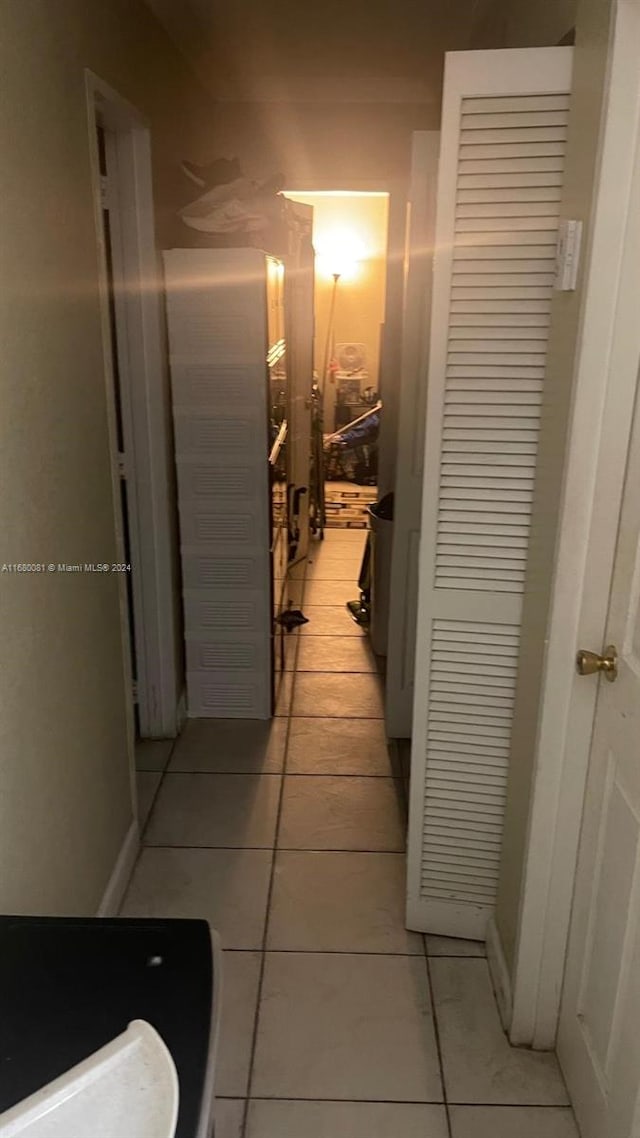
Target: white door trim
x=151, y=477
x=592, y=492
x=391, y=339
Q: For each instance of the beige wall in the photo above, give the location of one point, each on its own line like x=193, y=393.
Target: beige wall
x=588, y=89
x=65, y=803
x=521, y=23
x=538, y=23
x=323, y=144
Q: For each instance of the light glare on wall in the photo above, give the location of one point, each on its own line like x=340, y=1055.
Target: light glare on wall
x=339, y=253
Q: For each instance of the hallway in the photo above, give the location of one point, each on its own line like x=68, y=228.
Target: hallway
x=289, y=838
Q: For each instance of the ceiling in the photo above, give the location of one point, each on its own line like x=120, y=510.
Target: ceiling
x=330, y=50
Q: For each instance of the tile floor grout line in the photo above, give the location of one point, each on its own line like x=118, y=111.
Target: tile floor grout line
x=263, y=950
x=516, y=1105
x=147, y=820
x=142, y=830
x=333, y=952
x=346, y=952
x=290, y=774
x=236, y=774
x=365, y=1101
x=436, y=1031
x=281, y=849
x=408, y=1102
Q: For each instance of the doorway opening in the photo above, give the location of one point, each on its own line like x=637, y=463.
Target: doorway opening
x=350, y=236
x=137, y=404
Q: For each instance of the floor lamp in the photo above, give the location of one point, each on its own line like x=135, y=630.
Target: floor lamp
x=318, y=432
x=330, y=324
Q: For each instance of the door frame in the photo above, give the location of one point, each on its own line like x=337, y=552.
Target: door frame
x=592, y=493
x=420, y=214
x=154, y=572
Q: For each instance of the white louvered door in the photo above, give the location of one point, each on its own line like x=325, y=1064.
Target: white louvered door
x=503, y=142
x=218, y=340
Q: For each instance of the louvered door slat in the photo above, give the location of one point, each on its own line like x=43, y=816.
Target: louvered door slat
x=500, y=186
x=508, y=326
x=513, y=194
x=490, y=306
x=506, y=165
x=462, y=651
x=514, y=181
x=444, y=714
x=472, y=772
x=450, y=855
x=515, y=134
x=477, y=147
x=510, y=451
x=490, y=723
x=470, y=540
x=465, y=401
x=508, y=104
x=499, y=119
x=525, y=246
x=498, y=292
x=468, y=479
x=520, y=220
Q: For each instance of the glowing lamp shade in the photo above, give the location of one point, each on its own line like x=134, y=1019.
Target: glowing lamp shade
x=339, y=252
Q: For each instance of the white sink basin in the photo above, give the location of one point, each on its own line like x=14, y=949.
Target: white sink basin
x=128, y=1089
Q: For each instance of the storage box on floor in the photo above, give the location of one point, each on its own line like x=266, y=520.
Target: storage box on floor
x=347, y=505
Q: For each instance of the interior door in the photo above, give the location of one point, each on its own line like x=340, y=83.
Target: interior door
x=599, y=1040
x=500, y=176
x=403, y=609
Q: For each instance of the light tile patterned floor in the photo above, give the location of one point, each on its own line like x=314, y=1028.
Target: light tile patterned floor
x=289, y=838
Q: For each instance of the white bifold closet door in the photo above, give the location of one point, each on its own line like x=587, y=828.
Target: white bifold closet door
x=500, y=175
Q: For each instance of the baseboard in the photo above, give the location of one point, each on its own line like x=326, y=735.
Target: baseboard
x=499, y=974
x=447, y=918
x=122, y=870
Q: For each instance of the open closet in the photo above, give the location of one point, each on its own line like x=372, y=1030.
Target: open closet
x=499, y=187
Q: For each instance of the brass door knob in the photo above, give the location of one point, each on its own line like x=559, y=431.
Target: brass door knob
x=588, y=663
